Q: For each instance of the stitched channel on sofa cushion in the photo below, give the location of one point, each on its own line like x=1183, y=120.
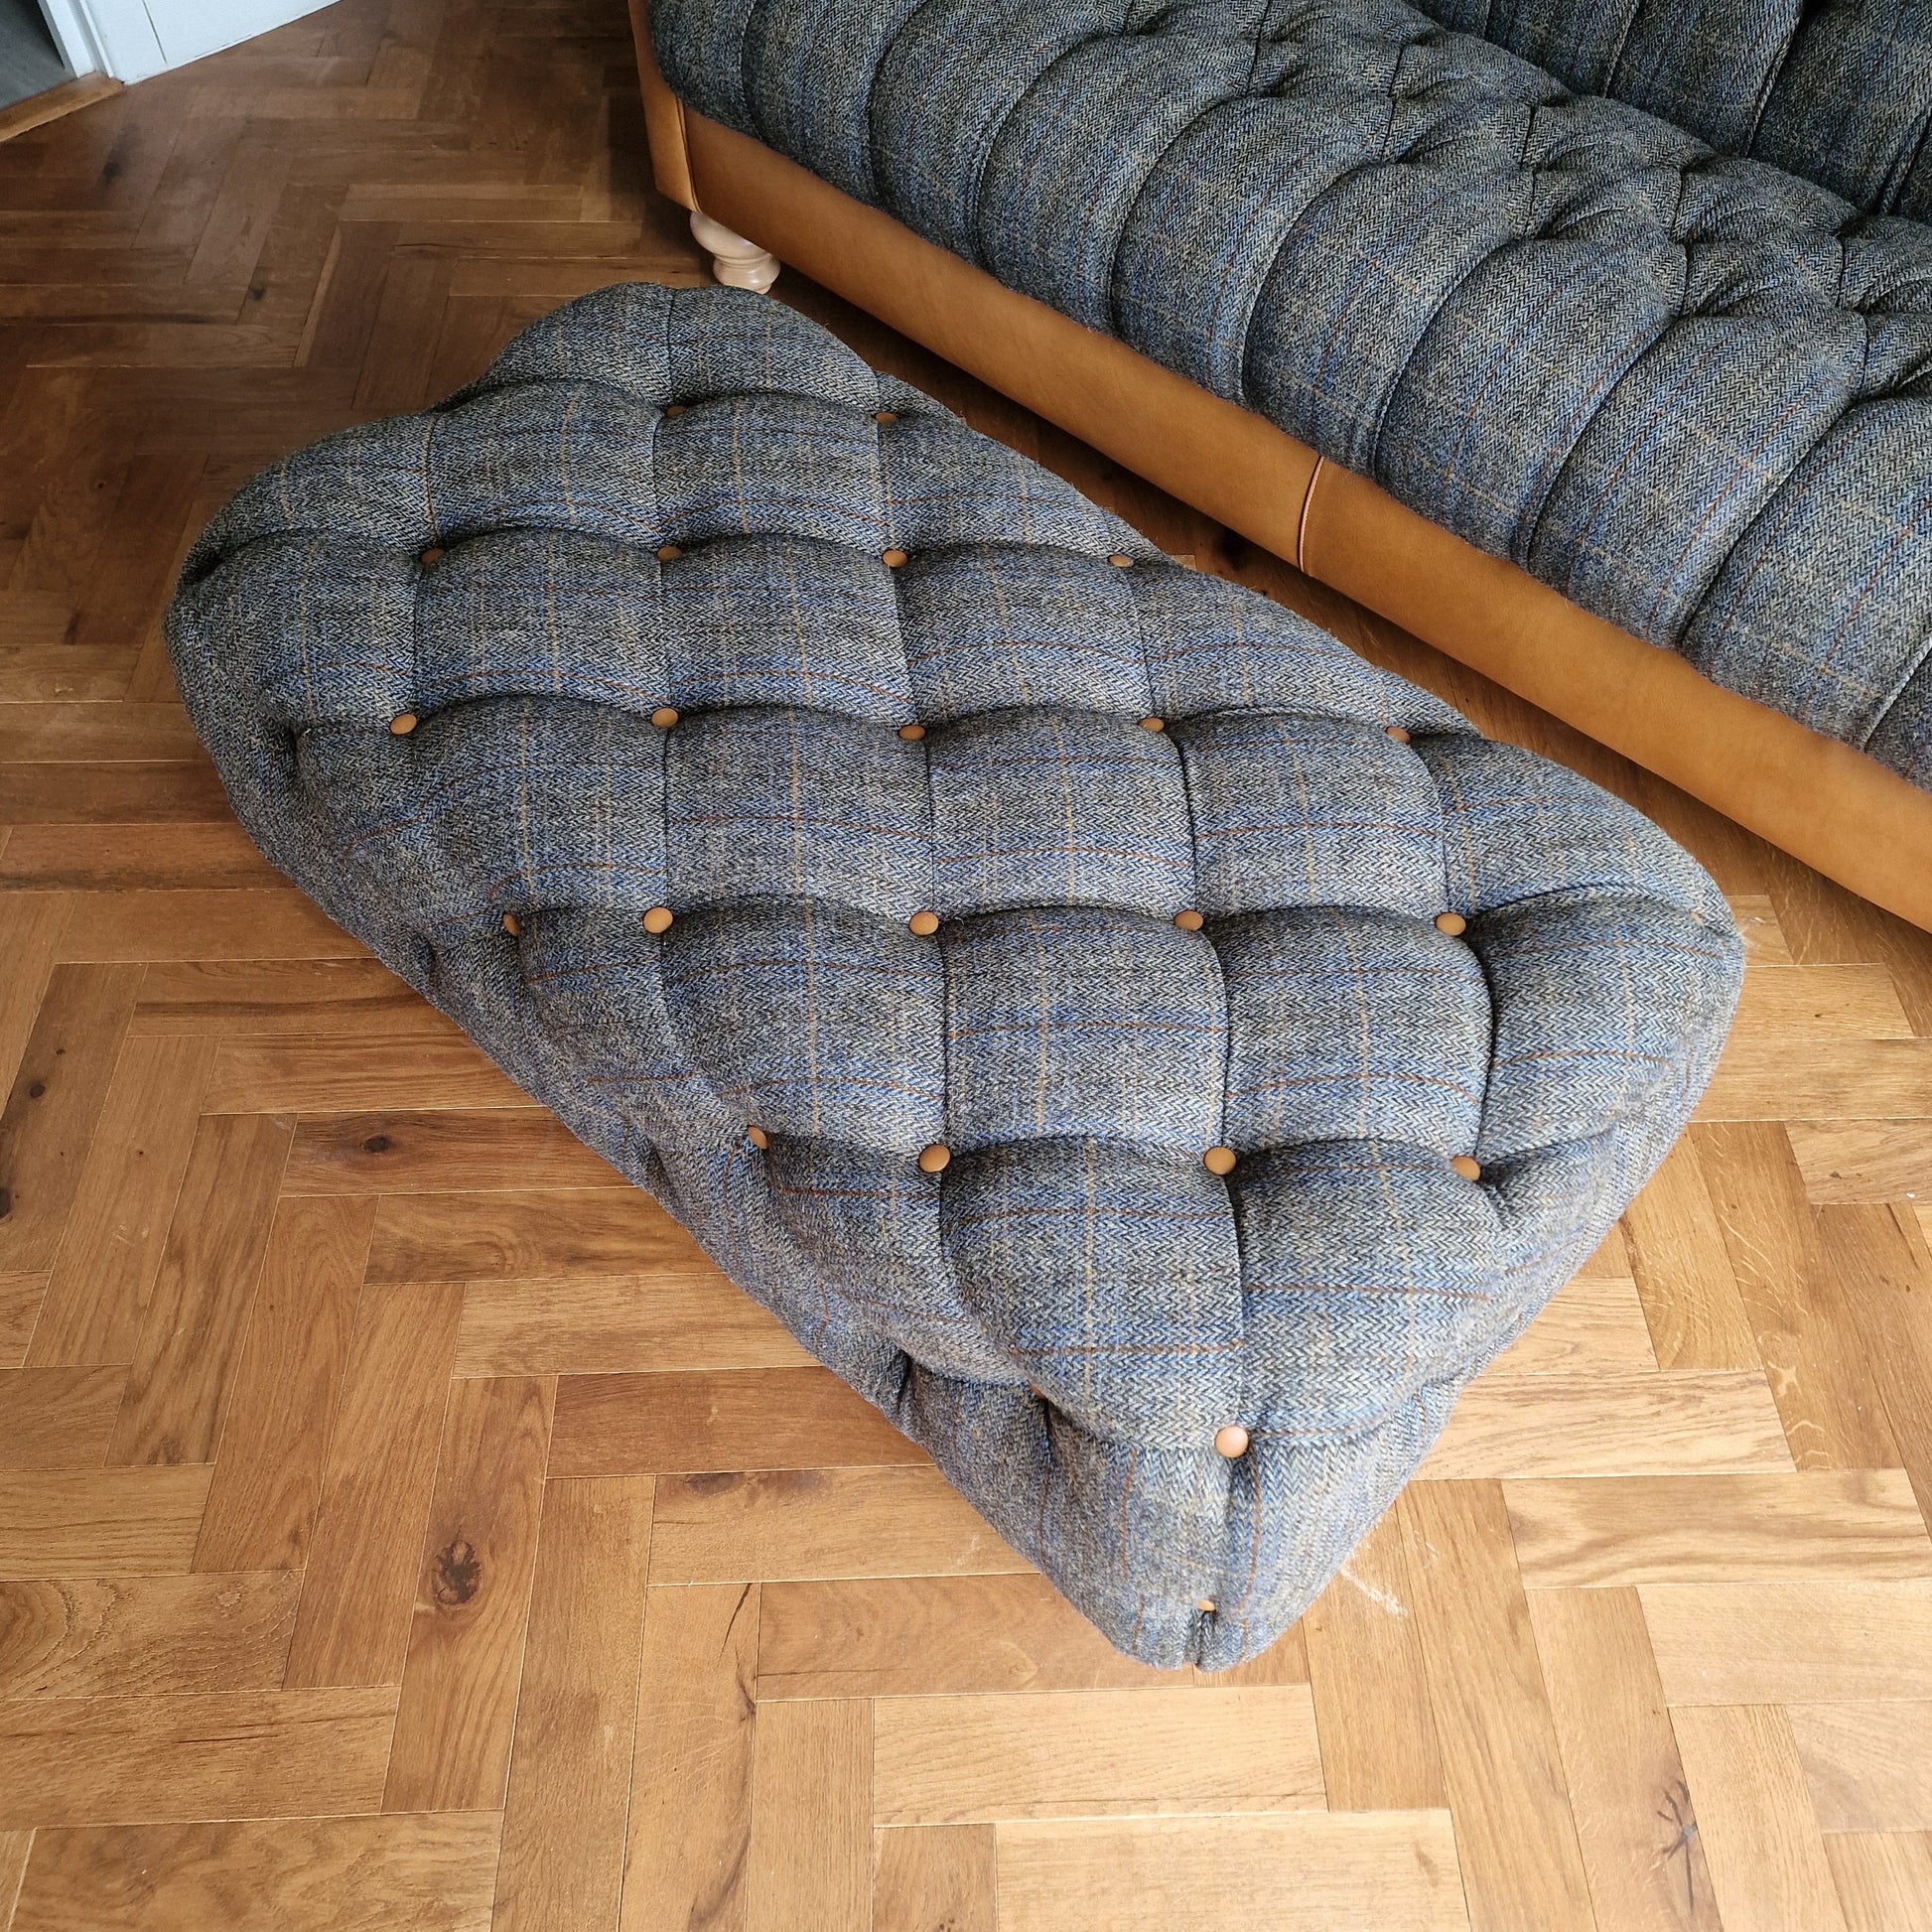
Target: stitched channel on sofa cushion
x=1840, y=92
x=1687, y=390
x=689, y=503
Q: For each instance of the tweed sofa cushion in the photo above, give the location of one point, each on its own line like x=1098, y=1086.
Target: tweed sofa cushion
x=664, y=500
x=1690, y=391
x=1840, y=94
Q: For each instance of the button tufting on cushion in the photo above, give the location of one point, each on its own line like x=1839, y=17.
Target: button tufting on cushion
x=1107, y=1083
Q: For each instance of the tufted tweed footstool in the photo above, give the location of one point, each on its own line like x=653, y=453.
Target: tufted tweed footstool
x=1152, y=1056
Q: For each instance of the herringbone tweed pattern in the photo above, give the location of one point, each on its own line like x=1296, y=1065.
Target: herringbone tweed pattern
x=403, y=1526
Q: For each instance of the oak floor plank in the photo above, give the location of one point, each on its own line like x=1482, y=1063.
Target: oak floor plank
x=141, y=925
x=911, y=1636
x=1797, y=1310
x=765, y=1419
x=1759, y=929
x=104, y=1273
x=811, y=1832
x=1594, y=1322
x=495, y=1237
x=1683, y=1271
x=1516, y=1840
x=466, y=1643
x=1863, y=1160
x=504, y=1151
x=562, y=1863
x=1793, y=1004
x=21, y=1300
x=268, y=1472
x=93, y=1636
x=665, y=1322
x=966, y=1760
x=360, y=1580
x=1371, y=1695
x=111, y=1760
x=37, y=670
x=1835, y=1078
x=122, y=858
x=58, y=1418
x=1810, y=1642
x=931, y=1875
x=31, y=925
x=55, y=1104
x=1767, y=1862
x=277, y=1073
x=110, y=794
x=1883, y=1879
x=198, y=1309
x=312, y=999
x=1634, y=1818
x=1877, y=1256
x=801, y=1523
x=107, y=1522
x=1603, y=1424
x=1293, y=1871
x=1718, y=1529
x=283, y=1875
x=690, y=1823
x=14, y=1849
x=1867, y=1766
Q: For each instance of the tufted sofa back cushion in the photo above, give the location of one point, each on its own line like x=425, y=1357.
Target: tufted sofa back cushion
x=1840, y=92
x=1691, y=393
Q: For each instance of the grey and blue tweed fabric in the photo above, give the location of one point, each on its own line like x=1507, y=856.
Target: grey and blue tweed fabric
x=1687, y=386
x=683, y=499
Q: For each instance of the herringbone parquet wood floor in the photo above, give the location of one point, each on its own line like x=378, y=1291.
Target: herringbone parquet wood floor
x=403, y=1527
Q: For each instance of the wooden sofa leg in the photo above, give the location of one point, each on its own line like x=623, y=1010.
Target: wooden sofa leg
x=738, y=263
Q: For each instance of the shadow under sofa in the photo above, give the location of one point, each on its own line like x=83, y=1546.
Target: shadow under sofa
x=1826, y=803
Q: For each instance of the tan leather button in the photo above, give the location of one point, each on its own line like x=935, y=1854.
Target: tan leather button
x=403, y=724
x=432, y=556
x=1231, y=1440
x=658, y=919
x=925, y=924
x=1454, y=923
x=674, y=409
x=1396, y=732
x=912, y=733
x=1121, y=562
x=510, y=926
x=664, y=717
x=1218, y=1160
x=935, y=1159
x=1467, y=1169
x=884, y=415
x=1206, y=1606
x=892, y=559
x=1189, y=921
x=668, y=553
x=1153, y=724
x=759, y=1138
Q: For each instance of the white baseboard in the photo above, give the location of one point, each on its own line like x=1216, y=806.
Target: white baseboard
x=132, y=39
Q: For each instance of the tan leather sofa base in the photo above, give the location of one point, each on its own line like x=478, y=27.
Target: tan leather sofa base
x=1829, y=805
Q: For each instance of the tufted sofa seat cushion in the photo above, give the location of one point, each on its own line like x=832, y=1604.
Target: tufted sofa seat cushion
x=967, y=967
x=1690, y=391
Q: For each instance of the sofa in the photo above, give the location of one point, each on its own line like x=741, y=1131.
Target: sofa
x=1591, y=343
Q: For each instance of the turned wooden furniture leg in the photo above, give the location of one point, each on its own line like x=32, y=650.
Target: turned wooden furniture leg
x=738, y=263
